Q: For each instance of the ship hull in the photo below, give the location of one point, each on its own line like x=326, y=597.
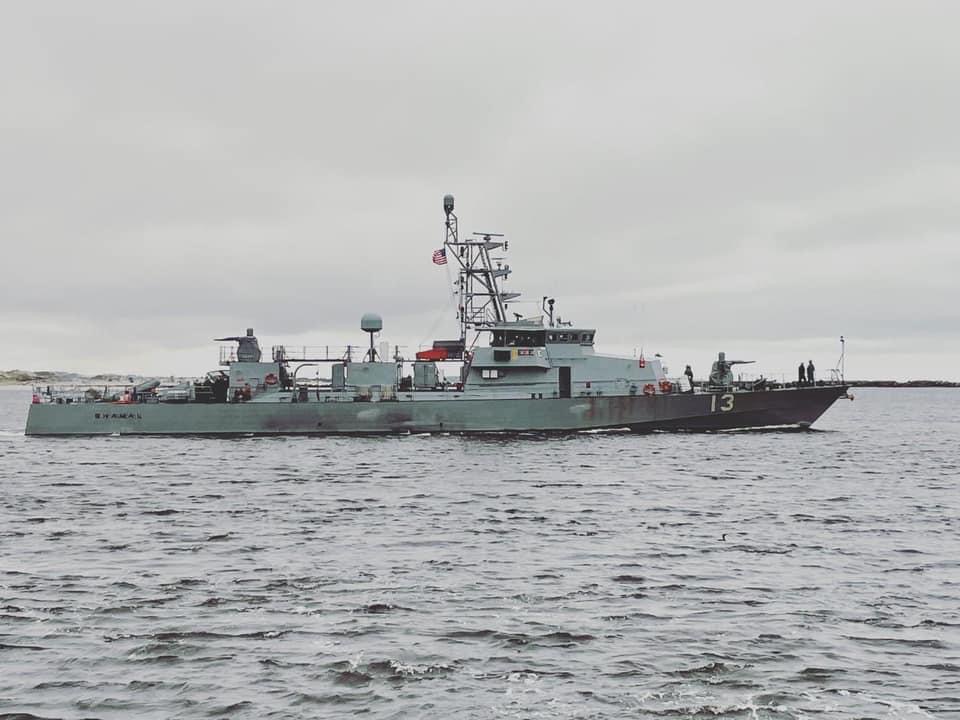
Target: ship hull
x=690, y=412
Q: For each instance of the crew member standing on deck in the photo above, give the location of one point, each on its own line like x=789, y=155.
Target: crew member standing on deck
x=810, y=370
x=689, y=373
x=801, y=375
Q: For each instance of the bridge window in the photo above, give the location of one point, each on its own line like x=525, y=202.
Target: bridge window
x=492, y=374
x=518, y=338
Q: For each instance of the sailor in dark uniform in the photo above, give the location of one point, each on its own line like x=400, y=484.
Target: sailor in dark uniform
x=810, y=370
x=801, y=375
x=689, y=373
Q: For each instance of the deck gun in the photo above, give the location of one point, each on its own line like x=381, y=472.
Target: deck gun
x=721, y=374
x=248, y=349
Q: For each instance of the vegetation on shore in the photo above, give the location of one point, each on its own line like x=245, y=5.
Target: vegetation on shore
x=57, y=377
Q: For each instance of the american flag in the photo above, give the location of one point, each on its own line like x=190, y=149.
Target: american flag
x=440, y=257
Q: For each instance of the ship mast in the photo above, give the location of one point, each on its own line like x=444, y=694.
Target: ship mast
x=482, y=301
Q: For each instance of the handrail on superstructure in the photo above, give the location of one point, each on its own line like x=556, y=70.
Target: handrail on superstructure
x=314, y=353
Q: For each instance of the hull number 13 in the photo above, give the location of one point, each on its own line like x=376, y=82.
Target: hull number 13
x=725, y=404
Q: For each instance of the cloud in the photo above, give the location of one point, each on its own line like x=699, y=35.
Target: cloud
x=692, y=173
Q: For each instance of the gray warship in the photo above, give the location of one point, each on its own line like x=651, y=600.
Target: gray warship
x=526, y=374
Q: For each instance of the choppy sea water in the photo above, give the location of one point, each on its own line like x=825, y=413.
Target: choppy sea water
x=778, y=574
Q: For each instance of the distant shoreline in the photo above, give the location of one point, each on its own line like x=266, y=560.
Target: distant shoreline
x=56, y=377
x=903, y=383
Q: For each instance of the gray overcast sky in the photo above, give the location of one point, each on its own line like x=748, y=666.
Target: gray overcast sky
x=755, y=177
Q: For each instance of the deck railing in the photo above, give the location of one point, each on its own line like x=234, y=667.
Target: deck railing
x=111, y=392
x=81, y=393
x=317, y=353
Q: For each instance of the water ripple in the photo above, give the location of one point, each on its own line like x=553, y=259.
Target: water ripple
x=725, y=575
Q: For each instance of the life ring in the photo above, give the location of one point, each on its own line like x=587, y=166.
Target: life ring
x=270, y=379
x=666, y=386
x=649, y=389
